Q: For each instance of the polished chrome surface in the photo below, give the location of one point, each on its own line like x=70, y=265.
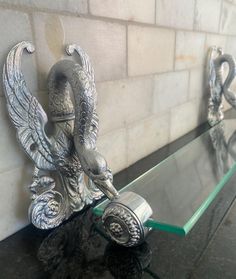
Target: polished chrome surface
x=217, y=85
x=62, y=159
x=124, y=219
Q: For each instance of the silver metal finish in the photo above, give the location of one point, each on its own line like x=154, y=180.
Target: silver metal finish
x=124, y=219
x=63, y=159
x=217, y=85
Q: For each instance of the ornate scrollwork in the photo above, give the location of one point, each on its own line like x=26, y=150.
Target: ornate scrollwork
x=217, y=86
x=70, y=152
x=124, y=219
x=122, y=225
x=68, y=157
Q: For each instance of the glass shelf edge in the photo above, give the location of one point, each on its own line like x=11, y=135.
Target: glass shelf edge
x=193, y=220
x=163, y=227
x=182, y=230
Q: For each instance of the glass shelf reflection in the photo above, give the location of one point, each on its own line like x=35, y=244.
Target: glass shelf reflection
x=181, y=187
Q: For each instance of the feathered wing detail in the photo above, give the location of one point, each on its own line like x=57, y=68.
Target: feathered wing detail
x=25, y=111
x=90, y=88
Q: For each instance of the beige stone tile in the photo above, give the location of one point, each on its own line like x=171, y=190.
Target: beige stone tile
x=14, y=201
x=232, y=1
x=146, y=136
x=113, y=146
x=228, y=19
x=183, y=119
x=189, y=50
x=170, y=89
x=196, y=83
x=104, y=42
x=10, y=151
x=14, y=28
x=132, y=10
x=202, y=109
x=230, y=47
x=123, y=101
x=215, y=40
x=175, y=13
x=207, y=15
x=43, y=98
x=72, y=6
x=150, y=50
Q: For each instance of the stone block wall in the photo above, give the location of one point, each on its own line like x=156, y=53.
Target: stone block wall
x=148, y=57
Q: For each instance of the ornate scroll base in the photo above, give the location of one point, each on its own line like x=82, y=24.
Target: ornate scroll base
x=124, y=219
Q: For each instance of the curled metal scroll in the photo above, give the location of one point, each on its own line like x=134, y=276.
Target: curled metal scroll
x=217, y=86
x=63, y=159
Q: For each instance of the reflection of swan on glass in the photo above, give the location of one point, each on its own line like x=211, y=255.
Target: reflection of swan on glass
x=71, y=250
x=216, y=86
x=225, y=150
x=76, y=250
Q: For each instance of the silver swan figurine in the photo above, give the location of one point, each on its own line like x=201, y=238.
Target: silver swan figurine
x=217, y=86
x=69, y=171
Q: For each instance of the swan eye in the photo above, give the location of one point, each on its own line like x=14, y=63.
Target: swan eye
x=34, y=147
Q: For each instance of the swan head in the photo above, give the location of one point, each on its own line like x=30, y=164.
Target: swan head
x=95, y=166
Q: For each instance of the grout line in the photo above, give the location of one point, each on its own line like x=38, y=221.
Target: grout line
x=127, y=50
x=175, y=52
x=189, y=78
x=195, y=16
x=13, y=168
x=88, y=7
x=152, y=108
x=155, y=13
x=151, y=75
x=27, y=9
x=147, y=76
x=220, y=17
x=169, y=122
x=230, y=2
x=30, y=16
x=126, y=147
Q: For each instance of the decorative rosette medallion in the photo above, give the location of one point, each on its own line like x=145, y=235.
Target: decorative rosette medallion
x=124, y=219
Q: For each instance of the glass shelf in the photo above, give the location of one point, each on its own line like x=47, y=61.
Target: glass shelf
x=181, y=187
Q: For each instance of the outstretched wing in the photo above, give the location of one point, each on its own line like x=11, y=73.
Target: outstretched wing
x=25, y=111
x=89, y=71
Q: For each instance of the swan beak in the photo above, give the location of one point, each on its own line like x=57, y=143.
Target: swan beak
x=108, y=189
